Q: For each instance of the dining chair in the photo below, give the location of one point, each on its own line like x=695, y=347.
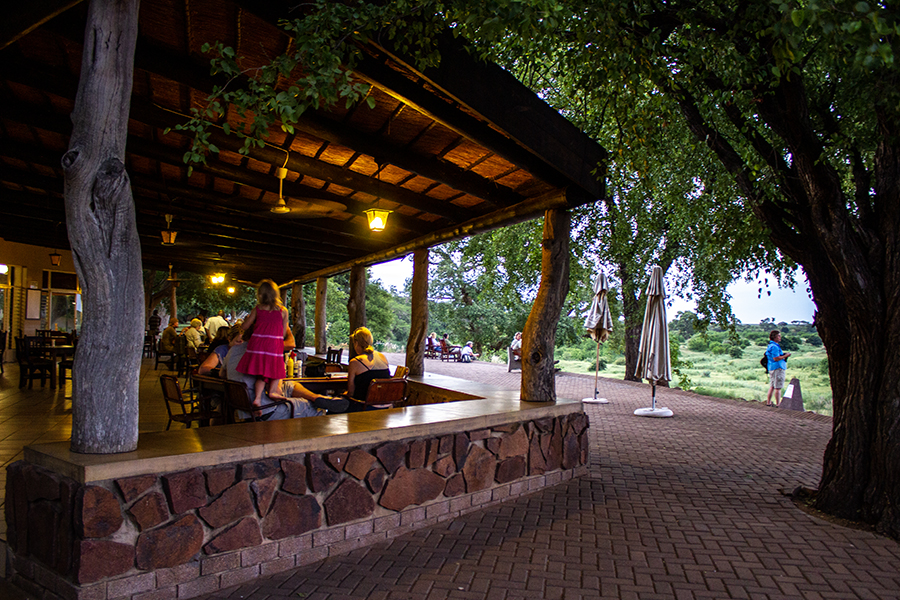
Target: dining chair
x=237, y=397
x=149, y=345
x=31, y=364
x=333, y=355
x=167, y=358
x=401, y=372
x=387, y=393
x=190, y=412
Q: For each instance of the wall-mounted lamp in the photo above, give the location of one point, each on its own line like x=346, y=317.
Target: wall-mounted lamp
x=217, y=278
x=55, y=257
x=4, y=269
x=230, y=289
x=377, y=218
x=168, y=236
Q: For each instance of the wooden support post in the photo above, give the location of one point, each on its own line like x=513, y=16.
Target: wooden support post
x=321, y=298
x=415, y=345
x=173, y=300
x=298, y=314
x=356, y=302
x=539, y=336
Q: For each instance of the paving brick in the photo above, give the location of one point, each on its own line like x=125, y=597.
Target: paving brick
x=127, y=586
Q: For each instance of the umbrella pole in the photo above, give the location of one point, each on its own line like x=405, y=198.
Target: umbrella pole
x=597, y=371
x=653, y=387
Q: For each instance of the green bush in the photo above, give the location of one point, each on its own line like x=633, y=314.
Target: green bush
x=601, y=364
x=823, y=366
x=736, y=352
x=814, y=340
x=717, y=348
x=789, y=344
x=697, y=343
x=619, y=361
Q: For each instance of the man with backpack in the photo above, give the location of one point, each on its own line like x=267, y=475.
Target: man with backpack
x=777, y=364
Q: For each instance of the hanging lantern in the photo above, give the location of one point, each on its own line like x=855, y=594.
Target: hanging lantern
x=377, y=218
x=168, y=235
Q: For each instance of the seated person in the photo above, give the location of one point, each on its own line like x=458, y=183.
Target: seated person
x=213, y=324
x=366, y=365
x=466, y=354
x=231, y=336
x=516, y=346
x=431, y=344
x=306, y=403
x=448, y=348
x=169, y=334
x=192, y=334
x=221, y=338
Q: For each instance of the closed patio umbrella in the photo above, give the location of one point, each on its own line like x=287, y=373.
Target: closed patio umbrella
x=599, y=326
x=653, y=356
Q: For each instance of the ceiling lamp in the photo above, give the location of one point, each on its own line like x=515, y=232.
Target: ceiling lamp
x=55, y=258
x=377, y=218
x=168, y=235
x=281, y=207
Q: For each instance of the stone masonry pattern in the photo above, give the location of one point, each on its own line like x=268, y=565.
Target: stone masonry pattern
x=128, y=529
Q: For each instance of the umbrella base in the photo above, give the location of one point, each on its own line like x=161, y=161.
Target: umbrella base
x=653, y=412
x=595, y=400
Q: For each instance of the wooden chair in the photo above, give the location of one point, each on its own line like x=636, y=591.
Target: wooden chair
x=31, y=364
x=401, y=372
x=387, y=392
x=237, y=397
x=431, y=351
x=2, y=348
x=168, y=358
x=448, y=353
x=190, y=412
x=333, y=355
x=149, y=345
x=66, y=364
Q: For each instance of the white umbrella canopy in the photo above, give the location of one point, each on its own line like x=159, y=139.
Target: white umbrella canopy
x=653, y=356
x=599, y=325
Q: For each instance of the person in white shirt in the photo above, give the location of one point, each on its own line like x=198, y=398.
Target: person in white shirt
x=213, y=323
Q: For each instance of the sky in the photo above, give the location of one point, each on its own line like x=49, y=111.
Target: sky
x=783, y=305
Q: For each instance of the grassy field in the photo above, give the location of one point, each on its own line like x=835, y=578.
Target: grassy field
x=722, y=376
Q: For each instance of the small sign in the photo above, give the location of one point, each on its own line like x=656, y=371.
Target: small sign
x=788, y=391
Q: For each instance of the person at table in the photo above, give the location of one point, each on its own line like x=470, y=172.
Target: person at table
x=220, y=339
x=449, y=348
x=366, y=365
x=213, y=324
x=169, y=335
x=232, y=336
x=192, y=334
x=306, y=403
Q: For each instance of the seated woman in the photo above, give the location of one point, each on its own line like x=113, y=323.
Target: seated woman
x=216, y=359
x=516, y=346
x=466, y=354
x=220, y=339
x=192, y=334
x=368, y=364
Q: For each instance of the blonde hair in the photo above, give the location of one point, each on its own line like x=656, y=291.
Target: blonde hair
x=233, y=333
x=363, y=337
x=267, y=294
x=196, y=323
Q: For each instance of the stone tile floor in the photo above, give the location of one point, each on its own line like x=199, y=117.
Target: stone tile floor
x=687, y=507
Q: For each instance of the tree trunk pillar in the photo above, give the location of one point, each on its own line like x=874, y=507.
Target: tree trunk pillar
x=103, y=235
x=539, y=335
x=356, y=302
x=173, y=300
x=321, y=298
x=298, y=314
x=415, y=345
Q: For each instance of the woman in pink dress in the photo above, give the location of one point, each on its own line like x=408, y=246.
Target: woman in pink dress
x=265, y=349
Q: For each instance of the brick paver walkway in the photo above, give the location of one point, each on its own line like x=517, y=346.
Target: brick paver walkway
x=687, y=507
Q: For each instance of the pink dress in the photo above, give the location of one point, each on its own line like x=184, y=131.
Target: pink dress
x=265, y=349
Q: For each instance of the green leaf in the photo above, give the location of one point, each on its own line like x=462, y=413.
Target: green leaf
x=797, y=17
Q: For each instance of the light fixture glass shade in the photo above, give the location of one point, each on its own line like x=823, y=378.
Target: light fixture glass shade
x=217, y=278
x=55, y=257
x=4, y=269
x=377, y=218
x=168, y=237
x=231, y=289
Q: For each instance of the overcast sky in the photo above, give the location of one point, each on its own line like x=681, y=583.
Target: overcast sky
x=782, y=305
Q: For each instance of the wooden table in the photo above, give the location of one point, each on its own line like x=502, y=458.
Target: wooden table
x=53, y=351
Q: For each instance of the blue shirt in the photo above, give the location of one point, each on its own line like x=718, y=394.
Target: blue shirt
x=772, y=352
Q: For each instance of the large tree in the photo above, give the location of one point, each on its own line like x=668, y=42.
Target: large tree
x=103, y=236
x=798, y=102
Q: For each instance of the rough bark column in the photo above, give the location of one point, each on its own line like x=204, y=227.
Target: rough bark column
x=356, y=302
x=321, y=297
x=103, y=235
x=539, y=336
x=173, y=300
x=298, y=314
x=415, y=345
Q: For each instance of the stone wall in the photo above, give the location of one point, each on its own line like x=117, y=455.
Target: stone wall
x=182, y=534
